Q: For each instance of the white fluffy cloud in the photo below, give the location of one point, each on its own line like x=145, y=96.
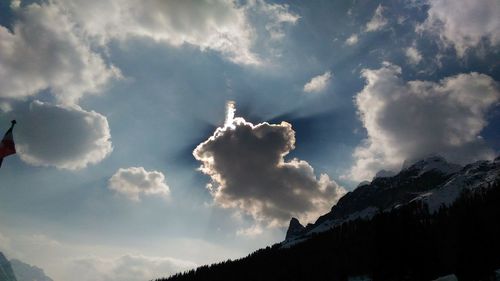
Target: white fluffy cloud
x=45, y=51
x=51, y=44
x=127, y=268
x=464, y=23
x=135, y=181
x=408, y=120
x=66, y=137
x=318, y=83
x=352, y=40
x=413, y=55
x=220, y=25
x=248, y=171
x=378, y=21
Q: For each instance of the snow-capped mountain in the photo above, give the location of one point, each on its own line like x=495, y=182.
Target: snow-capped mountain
x=432, y=180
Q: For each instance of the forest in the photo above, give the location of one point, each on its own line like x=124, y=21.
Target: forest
x=407, y=243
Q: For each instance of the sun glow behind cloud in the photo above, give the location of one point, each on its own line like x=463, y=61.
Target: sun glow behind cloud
x=101, y=85
x=230, y=113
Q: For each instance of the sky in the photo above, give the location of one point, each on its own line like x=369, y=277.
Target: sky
x=153, y=137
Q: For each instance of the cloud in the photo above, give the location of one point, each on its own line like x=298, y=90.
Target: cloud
x=45, y=51
x=52, y=45
x=127, y=268
x=277, y=15
x=408, y=120
x=413, y=55
x=252, y=231
x=135, y=181
x=464, y=24
x=248, y=171
x=318, y=83
x=378, y=21
x=62, y=136
x=223, y=26
x=219, y=25
x=352, y=40
x=94, y=261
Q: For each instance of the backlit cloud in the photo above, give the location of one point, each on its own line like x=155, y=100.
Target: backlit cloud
x=247, y=165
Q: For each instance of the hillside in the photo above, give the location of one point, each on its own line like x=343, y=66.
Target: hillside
x=401, y=239
x=432, y=180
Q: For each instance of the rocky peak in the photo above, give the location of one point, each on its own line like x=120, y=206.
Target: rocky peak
x=385, y=174
x=435, y=163
x=294, y=229
x=6, y=272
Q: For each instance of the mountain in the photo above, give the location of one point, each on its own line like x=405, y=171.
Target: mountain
x=433, y=220
x=294, y=229
x=411, y=243
x=26, y=272
x=431, y=180
x=6, y=272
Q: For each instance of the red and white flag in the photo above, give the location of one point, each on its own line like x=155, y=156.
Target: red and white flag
x=7, y=146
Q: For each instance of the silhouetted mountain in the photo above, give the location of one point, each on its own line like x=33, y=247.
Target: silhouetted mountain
x=385, y=230
x=294, y=229
x=6, y=272
x=26, y=272
x=432, y=180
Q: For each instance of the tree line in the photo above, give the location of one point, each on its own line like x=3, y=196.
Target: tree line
x=408, y=243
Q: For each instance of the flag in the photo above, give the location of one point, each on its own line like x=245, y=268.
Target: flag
x=7, y=146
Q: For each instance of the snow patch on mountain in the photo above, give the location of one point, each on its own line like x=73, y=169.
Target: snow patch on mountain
x=434, y=163
x=432, y=180
x=450, y=277
x=476, y=175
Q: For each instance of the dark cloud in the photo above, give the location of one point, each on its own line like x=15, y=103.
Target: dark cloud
x=408, y=120
x=248, y=170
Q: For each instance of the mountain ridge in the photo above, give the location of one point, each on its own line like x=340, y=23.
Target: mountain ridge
x=405, y=243
x=6, y=271
x=432, y=180
x=27, y=272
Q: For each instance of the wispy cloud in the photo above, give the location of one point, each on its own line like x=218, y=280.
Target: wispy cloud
x=318, y=83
